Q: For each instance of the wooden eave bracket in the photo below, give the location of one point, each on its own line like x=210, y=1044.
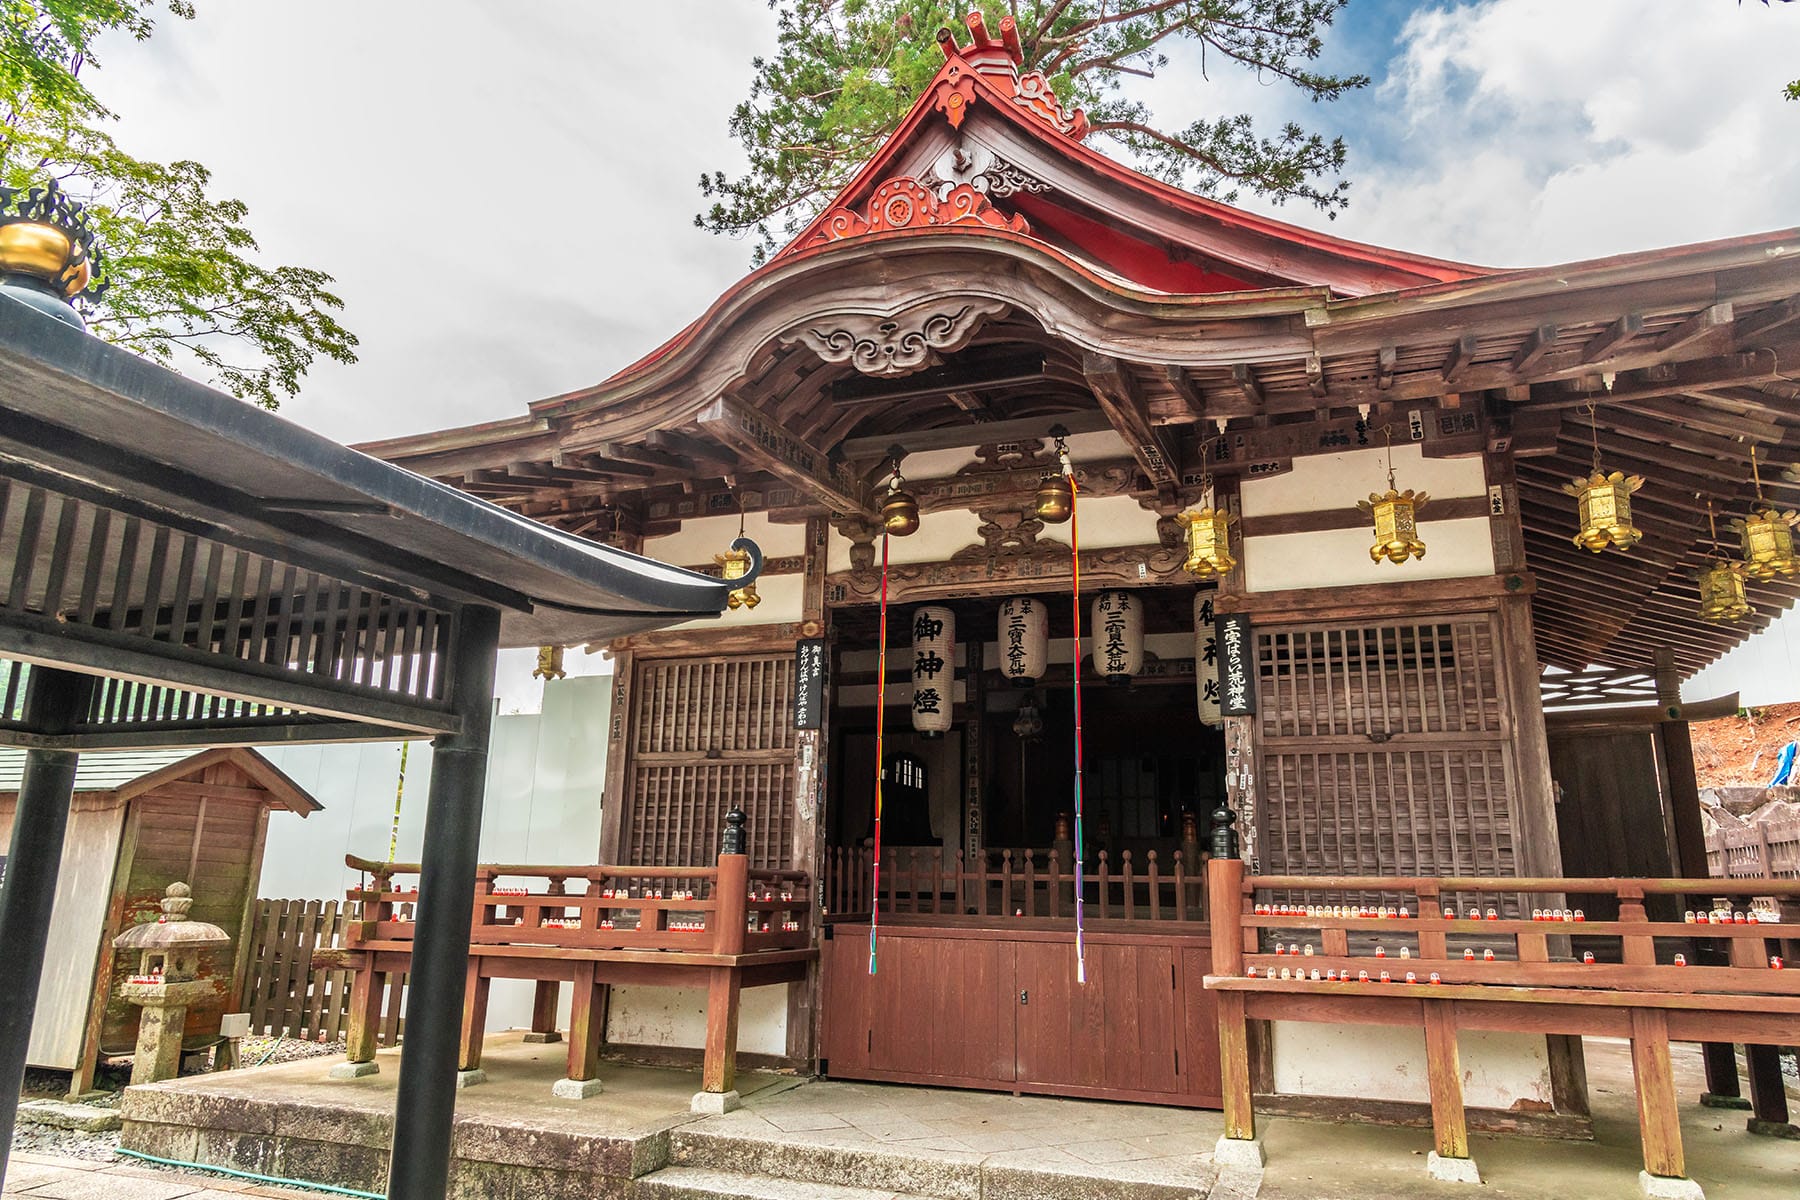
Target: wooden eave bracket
x=1110, y=381
x=759, y=440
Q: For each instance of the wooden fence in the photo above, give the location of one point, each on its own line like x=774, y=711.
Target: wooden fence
x=1024, y=883
x=1760, y=850
x=283, y=993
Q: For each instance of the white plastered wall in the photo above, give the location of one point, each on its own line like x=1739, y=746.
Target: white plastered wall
x=676, y=1017
x=1371, y=1062
x=1454, y=549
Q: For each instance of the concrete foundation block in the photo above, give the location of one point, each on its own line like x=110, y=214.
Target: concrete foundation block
x=60, y=1114
x=350, y=1070
x=716, y=1103
x=576, y=1089
x=1712, y=1100
x=468, y=1079
x=541, y=1038
x=1240, y=1152
x=1776, y=1129
x=1665, y=1187
x=1451, y=1170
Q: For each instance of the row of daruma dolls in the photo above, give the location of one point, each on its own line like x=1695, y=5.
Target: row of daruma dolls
x=1024, y=638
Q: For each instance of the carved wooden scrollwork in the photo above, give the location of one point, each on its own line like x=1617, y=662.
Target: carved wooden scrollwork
x=900, y=344
x=906, y=203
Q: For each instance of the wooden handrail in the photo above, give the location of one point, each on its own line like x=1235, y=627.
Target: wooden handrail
x=1707, y=885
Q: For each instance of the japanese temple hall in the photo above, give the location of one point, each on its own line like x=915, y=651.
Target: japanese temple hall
x=1390, y=558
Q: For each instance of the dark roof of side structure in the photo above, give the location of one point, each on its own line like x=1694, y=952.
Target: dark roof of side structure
x=84, y=416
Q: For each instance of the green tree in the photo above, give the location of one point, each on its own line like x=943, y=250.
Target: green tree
x=187, y=288
x=846, y=71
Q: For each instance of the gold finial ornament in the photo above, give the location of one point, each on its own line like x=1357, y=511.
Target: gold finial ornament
x=1603, y=501
x=899, y=510
x=1208, y=532
x=1722, y=595
x=49, y=256
x=1396, y=517
x=1767, y=535
x=549, y=664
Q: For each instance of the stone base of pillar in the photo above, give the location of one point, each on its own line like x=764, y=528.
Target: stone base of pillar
x=350, y=1070
x=716, y=1103
x=1709, y=1100
x=1668, y=1187
x=1240, y=1152
x=538, y=1038
x=1451, y=1170
x=576, y=1089
x=466, y=1079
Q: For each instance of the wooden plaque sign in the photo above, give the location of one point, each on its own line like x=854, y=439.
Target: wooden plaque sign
x=809, y=682
x=1237, y=671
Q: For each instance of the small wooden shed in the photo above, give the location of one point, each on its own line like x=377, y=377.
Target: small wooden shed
x=141, y=820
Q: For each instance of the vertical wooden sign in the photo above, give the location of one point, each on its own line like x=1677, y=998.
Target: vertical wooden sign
x=1237, y=679
x=809, y=682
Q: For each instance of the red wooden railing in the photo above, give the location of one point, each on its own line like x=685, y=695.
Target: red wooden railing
x=1015, y=883
x=725, y=908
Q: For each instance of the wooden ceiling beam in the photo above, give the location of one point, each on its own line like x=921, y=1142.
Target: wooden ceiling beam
x=1190, y=393
x=1709, y=320
x=1532, y=350
x=598, y=467
x=1116, y=393
x=703, y=450
x=1747, y=329
x=1612, y=339
x=1315, y=377
x=1244, y=380
x=971, y=370
x=1462, y=353
x=1386, y=359
x=759, y=440
x=646, y=456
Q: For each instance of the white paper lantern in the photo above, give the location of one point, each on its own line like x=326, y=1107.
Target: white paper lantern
x=1024, y=640
x=1118, y=636
x=1206, y=660
x=933, y=669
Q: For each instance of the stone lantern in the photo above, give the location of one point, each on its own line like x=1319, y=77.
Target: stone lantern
x=167, y=981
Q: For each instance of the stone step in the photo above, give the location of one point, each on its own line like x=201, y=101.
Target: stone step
x=706, y=1183
x=883, y=1172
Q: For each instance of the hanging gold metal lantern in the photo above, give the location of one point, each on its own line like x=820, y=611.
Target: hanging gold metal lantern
x=1396, y=517
x=1208, y=543
x=735, y=564
x=1722, y=592
x=1056, y=494
x=1767, y=535
x=549, y=664
x=899, y=509
x=1603, y=502
x=1208, y=532
x=1768, y=541
x=1722, y=595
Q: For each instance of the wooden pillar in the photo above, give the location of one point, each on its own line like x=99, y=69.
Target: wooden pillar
x=810, y=749
x=1768, y=1097
x=618, y=754
x=543, y=1012
x=1659, y=1123
x=1225, y=899
x=474, y=1024
x=365, y=1013
x=1443, y=1074
x=720, y=1072
x=586, y=1013
x=1689, y=837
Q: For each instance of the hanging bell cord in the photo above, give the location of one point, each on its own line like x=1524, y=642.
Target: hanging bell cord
x=880, y=729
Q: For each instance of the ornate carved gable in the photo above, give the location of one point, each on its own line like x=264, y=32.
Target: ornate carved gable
x=906, y=203
x=899, y=343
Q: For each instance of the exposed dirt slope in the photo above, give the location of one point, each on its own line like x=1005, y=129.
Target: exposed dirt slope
x=1743, y=750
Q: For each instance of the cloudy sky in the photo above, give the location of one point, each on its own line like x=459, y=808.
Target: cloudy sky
x=505, y=189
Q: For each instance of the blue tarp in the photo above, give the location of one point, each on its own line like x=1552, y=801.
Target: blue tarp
x=1784, y=767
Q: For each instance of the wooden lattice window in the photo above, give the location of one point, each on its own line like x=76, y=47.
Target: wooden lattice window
x=1385, y=749
x=707, y=734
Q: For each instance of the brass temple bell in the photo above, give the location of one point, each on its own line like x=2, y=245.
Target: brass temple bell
x=1055, y=494
x=899, y=508
x=735, y=564
x=1767, y=535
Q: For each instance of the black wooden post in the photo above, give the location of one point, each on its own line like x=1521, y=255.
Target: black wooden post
x=425, y=1108
x=735, y=838
x=54, y=701
x=1224, y=836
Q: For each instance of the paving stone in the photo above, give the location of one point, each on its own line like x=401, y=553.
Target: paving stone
x=61, y=1115
x=696, y=1183
x=110, y=1185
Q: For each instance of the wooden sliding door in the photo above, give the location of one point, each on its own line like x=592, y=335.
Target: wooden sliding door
x=1387, y=748
x=708, y=733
